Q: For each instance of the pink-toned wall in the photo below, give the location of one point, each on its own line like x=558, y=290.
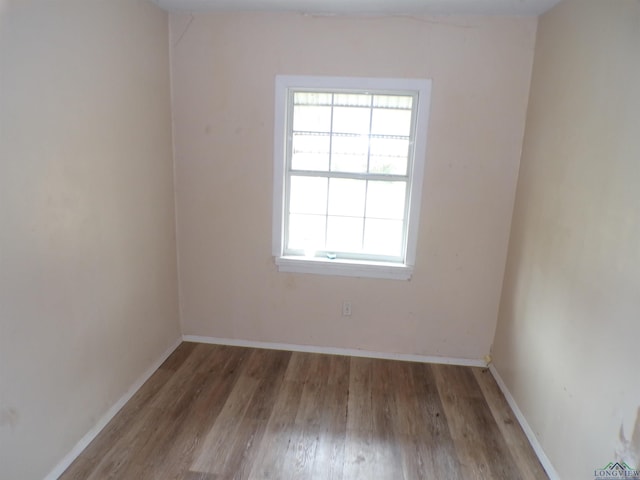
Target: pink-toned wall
x=567, y=338
x=88, y=281
x=223, y=69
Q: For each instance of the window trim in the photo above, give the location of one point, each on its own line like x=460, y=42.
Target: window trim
x=348, y=267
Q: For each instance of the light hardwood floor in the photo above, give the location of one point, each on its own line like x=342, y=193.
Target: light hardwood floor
x=219, y=412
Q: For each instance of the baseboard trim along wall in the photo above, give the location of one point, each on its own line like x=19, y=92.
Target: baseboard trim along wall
x=95, y=430
x=528, y=431
x=352, y=352
x=106, y=418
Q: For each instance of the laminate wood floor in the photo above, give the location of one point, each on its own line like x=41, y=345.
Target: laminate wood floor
x=219, y=412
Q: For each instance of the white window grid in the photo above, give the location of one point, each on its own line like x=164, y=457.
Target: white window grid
x=367, y=176
x=352, y=267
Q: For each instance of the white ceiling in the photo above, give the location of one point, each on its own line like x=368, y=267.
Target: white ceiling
x=415, y=7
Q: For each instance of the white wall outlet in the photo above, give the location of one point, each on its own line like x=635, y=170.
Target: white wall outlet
x=346, y=308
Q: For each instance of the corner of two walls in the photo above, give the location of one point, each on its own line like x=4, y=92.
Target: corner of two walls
x=89, y=213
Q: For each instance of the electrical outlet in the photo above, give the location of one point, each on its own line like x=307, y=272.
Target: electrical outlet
x=346, y=308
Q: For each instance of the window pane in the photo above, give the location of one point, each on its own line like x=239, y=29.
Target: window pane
x=393, y=101
x=351, y=120
x=310, y=152
x=383, y=237
x=312, y=98
x=311, y=119
x=346, y=197
x=306, y=232
x=389, y=155
x=344, y=234
x=308, y=195
x=386, y=200
x=352, y=100
x=349, y=153
x=391, y=122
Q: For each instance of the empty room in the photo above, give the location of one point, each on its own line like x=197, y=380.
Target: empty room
x=319, y=239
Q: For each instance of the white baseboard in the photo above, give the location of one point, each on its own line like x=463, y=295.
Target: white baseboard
x=95, y=430
x=528, y=431
x=106, y=418
x=467, y=362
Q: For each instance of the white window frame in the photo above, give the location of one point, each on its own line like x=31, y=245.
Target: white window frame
x=347, y=267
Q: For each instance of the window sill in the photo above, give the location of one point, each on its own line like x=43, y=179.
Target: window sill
x=344, y=268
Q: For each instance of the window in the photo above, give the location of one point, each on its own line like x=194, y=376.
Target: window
x=348, y=169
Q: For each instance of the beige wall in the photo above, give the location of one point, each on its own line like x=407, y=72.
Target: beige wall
x=88, y=290
x=569, y=326
x=223, y=68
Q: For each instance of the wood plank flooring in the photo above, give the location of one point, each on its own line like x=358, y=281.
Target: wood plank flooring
x=220, y=413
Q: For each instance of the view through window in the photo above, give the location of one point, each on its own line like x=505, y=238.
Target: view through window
x=349, y=172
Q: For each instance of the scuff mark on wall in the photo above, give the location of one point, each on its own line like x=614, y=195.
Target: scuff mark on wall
x=9, y=417
x=629, y=450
